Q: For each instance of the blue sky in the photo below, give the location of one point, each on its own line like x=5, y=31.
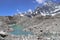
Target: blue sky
x=10, y=7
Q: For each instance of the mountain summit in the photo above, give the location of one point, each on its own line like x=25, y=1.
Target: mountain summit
x=48, y=8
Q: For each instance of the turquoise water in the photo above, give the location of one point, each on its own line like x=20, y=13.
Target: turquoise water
x=18, y=30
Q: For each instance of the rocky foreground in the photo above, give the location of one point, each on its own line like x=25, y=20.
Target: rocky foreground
x=43, y=27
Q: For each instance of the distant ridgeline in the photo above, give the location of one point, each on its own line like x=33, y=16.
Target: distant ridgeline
x=49, y=8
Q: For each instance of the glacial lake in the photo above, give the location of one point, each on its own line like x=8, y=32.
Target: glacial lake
x=18, y=30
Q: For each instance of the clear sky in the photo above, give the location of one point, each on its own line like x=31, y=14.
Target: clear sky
x=10, y=7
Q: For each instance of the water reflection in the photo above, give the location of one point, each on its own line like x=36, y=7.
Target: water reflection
x=18, y=30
